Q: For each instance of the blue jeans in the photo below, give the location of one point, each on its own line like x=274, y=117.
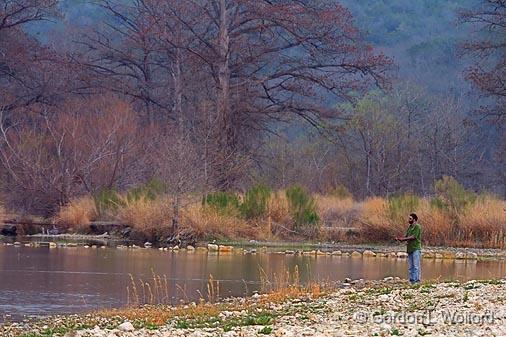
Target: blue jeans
x=414, y=268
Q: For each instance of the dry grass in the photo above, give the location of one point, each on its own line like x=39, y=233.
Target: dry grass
x=336, y=211
x=144, y=214
x=206, y=223
x=437, y=228
x=78, y=213
x=374, y=223
x=156, y=309
x=485, y=222
x=278, y=208
x=481, y=224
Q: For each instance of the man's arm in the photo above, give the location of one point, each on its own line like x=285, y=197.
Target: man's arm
x=406, y=238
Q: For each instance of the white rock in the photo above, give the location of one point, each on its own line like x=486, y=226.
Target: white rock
x=212, y=247
x=126, y=326
x=368, y=253
x=383, y=298
x=402, y=254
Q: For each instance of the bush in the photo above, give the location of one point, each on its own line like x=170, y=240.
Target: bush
x=150, y=191
x=256, y=202
x=78, y=214
x=148, y=218
x=222, y=202
x=302, y=209
x=400, y=206
x=107, y=200
x=452, y=195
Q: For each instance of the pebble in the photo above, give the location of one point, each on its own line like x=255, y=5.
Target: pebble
x=126, y=327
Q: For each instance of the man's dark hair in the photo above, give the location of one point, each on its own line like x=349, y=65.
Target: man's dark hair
x=414, y=216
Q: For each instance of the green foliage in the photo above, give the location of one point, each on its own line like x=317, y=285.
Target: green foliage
x=302, y=208
x=222, y=202
x=266, y=330
x=256, y=201
x=152, y=189
x=182, y=324
x=107, y=199
x=401, y=205
x=451, y=195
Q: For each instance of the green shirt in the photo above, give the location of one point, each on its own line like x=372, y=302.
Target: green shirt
x=416, y=231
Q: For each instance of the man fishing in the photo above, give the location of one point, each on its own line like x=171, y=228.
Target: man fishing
x=414, y=248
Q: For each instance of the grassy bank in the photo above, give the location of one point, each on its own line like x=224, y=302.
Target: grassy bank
x=452, y=217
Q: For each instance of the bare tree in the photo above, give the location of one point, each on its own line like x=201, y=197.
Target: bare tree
x=488, y=73
x=53, y=157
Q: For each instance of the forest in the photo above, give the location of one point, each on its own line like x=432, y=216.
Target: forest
x=245, y=118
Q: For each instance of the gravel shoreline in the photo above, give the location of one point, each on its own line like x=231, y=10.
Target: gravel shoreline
x=362, y=308
x=395, y=251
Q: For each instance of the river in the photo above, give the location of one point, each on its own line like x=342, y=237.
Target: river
x=37, y=281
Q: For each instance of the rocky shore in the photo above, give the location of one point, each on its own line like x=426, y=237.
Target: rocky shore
x=394, y=251
x=382, y=308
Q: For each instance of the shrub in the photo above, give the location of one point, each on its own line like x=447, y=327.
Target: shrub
x=303, y=210
x=484, y=222
x=207, y=223
x=151, y=190
x=78, y=213
x=148, y=217
x=222, y=202
x=336, y=211
x=255, y=202
x=400, y=206
x=107, y=200
x=452, y=195
x=374, y=222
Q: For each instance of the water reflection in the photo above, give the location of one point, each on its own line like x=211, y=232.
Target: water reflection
x=41, y=281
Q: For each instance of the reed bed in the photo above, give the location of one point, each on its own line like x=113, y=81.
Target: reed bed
x=478, y=222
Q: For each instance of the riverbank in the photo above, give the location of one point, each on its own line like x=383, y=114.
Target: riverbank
x=258, y=247
x=452, y=217
x=385, y=308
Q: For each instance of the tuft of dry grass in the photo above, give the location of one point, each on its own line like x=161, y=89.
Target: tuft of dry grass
x=149, y=300
x=336, y=211
x=485, y=222
x=374, y=223
x=278, y=207
x=437, y=227
x=206, y=223
x=78, y=213
x=480, y=224
x=145, y=214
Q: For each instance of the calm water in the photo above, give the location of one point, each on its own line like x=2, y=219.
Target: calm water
x=42, y=281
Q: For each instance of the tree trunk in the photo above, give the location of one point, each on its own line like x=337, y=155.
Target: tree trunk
x=225, y=131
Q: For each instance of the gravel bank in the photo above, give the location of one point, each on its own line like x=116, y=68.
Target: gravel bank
x=387, y=308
